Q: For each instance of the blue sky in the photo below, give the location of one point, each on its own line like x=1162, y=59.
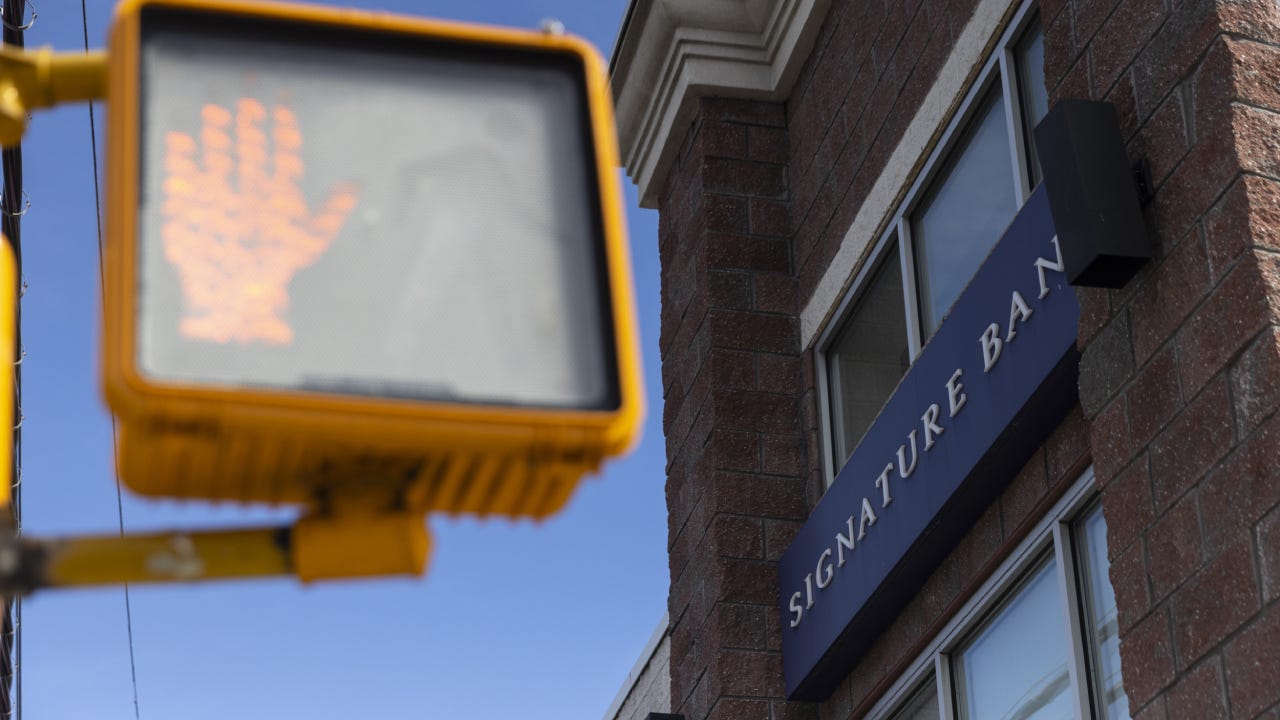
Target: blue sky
x=513, y=620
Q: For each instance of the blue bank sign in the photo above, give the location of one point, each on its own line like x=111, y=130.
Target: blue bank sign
x=997, y=377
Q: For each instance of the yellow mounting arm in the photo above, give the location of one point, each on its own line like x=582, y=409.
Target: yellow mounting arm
x=40, y=79
x=316, y=548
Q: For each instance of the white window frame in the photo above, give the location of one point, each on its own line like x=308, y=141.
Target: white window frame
x=1002, y=60
x=1052, y=533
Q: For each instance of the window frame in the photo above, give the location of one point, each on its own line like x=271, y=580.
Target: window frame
x=1092, y=668
x=1051, y=536
x=998, y=68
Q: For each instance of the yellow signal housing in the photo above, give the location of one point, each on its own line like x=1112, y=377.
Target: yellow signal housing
x=363, y=260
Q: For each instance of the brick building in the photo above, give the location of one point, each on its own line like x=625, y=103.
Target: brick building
x=912, y=473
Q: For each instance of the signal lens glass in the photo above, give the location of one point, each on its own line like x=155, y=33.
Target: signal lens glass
x=368, y=215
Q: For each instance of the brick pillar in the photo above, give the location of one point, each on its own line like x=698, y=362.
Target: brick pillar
x=1180, y=375
x=731, y=382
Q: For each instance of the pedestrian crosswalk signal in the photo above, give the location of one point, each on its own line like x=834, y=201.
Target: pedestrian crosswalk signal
x=354, y=256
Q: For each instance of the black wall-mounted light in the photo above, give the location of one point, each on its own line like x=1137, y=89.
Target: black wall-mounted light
x=1093, y=194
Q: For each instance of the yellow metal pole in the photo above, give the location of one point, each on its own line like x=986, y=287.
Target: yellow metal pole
x=8, y=331
x=360, y=545
x=317, y=548
x=42, y=78
x=163, y=557
x=68, y=77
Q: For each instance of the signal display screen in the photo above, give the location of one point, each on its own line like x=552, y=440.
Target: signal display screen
x=367, y=215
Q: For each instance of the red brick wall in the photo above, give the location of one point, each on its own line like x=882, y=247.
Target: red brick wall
x=1180, y=373
x=731, y=377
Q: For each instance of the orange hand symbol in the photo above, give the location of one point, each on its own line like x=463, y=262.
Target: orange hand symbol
x=236, y=232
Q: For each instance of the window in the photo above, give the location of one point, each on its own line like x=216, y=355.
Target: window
x=868, y=358
x=970, y=189
x=967, y=207
x=922, y=706
x=1035, y=99
x=1098, y=616
x=1016, y=666
x=1038, y=641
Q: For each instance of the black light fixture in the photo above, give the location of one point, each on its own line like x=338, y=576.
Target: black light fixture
x=1093, y=194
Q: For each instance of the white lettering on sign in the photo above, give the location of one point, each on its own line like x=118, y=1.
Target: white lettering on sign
x=955, y=393
x=824, y=571
x=846, y=541
x=882, y=482
x=1018, y=310
x=904, y=470
x=1042, y=265
x=867, y=520
x=931, y=426
x=991, y=346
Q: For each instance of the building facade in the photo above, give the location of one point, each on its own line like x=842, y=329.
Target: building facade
x=913, y=472
x=647, y=689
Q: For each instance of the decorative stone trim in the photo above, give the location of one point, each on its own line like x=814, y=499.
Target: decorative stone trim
x=670, y=53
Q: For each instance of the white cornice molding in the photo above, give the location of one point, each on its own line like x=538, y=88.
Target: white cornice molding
x=670, y=53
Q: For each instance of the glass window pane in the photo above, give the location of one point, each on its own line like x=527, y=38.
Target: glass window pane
x=923, y=705
x=1035, y=99
x=968, y=207
x=1100, y=627
x=869, y=357
x=1016, y=668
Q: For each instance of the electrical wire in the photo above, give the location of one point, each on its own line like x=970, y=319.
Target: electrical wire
x=97, y=205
